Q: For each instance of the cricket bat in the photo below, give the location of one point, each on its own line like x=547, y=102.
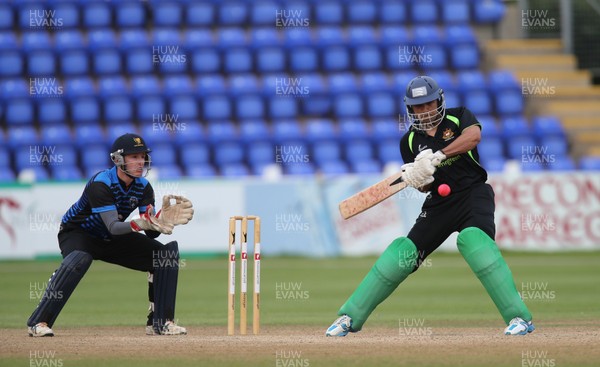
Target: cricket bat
x=371, y=196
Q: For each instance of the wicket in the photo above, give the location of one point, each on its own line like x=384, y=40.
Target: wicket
x=243, y=275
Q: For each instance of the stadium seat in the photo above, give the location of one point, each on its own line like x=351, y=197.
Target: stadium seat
x=200, y=14
x=148, y=107
x=95, y=156
x=164, y=155
x=514, y=127
x=361, y=12
x=547, y=126
x=303, y=59
x=490, y=11
x=97, y=15
x=254, y=131
x=228, y=153
x=502, y=79
x=137, y=52
x=159, y=132
x=358, y=150
x=469, y=80
x=509, y=102
x=249, y=106
x=455, y=11
x=342, y=82
x=130, y=14
x=335, y=58
x=333, y=168
x=282, y=108
x=426, y=34
x=374, y=82
x=489, y=127
x=329, y=12
x=348, y=105
x=264, y=13
x=299, y=169
x=555, y=145
x=87, y=134
x=170, y=172
x=270, y=59
x=116, y=130
x=177, y=85
x=561, y=163
x=5, y=160
x=7, y=18
x=194, y=133
x=167, y=14
x=210, y=84
x=117, y=108
x=494, y=164
x=64, y=173
x=55, y=134
x=243, y=84
x=491, y=148
x=318, y=130
x=105, y=58
x=424, y=11
x=19, y=111
x=523, y=148
x=381, y=104
x=205, y=60
x=479, y=102
x=589, y=163
x=234, y=170
x=393, y=12
x=366, y=166
x=350, y=129
x=233, y=13
x=260, y=153
x=200, y=171
x=222, y=131
x=7, y=175
x=217, y=107
x=231, y=37
x=383, y=129
x=183, y=108
x=367, y=57
x=39, y=172
x=389, y=151
x=285, y=130
x=464, y=56
x=70, y=50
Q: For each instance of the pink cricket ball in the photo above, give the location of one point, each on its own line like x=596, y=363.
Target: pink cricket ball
x=444, y=190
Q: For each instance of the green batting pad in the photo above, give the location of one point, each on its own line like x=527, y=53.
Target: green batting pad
x=486, y=261
x=392, y=267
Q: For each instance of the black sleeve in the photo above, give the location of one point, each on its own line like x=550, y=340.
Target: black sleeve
x=407, y=155
x=467, y=119
x=100, y=197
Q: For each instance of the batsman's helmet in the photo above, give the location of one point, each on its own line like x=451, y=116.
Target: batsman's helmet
x=129, y=144
x=424, y=89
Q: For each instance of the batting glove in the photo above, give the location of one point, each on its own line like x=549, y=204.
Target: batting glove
x=437, y=158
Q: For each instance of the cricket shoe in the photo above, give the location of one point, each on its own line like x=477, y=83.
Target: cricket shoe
x=340, y=327
x=518, y=326
x=40, y=329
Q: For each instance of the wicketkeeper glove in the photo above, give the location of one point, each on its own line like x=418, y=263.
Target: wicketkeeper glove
x=180, y=213
x=148, y=222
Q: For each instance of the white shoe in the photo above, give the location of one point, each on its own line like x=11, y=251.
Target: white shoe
x=340, y=327
x=40, y=329
x=171, y=328
x=518, y=326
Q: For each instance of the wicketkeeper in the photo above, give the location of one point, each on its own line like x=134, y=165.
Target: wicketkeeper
x=453, y=134
x=94, y=229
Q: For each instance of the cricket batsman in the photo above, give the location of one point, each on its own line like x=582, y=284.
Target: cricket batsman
x=94, y=228
x=453, y=134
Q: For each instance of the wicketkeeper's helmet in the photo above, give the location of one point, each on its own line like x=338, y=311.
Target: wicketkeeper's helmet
x=129, y=144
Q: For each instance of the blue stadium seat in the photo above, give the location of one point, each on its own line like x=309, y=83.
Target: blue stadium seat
x=130, y=14
x=335, y=58
x=66, y=154
x=426, y=35
x=97, y=15
x=285, y=130
x=217, y=107
x=112, y=86
x=56, y=134
x=491, y=148
x=367, y=57
x=200, y=14
x=105, y=58
x=357, y=150
x=459, y=34
x=532, y=167
x=455, y=11
x=381, y=104
x=167, y=50
x=164, y=155
x=250, y=106
x=79, y=87
x=488, y=11
x=299, y=169
x=502, y=79
x=353, y=129
x=443, y=77
x=264, y=13
x=383, y=129
x=167, y=14
x=137, y=52
x=561, y=163
x=92, y=170
x=51, y=110
x=88, y=134
x=389, y=151
x=469, y=80
x=228, y=153
x=117, y=108
x=374, y=82
x=194, y=133
x=295, y=37
x=342, y=82
x=34, y=15
x=303, y=59
x=194, y=154
x=222, y=131
x=40, y=59
x=393, y=12
x=161, y=130
x=184, y=107
x=170, y=172
x=362, y=12
x=334, y=168
x=260, y=153
x=116, y=130
x=205, y=60
x=348, y=105
x=509, y=102
x=10, y=58
x=282, y=108
x=177, y=85
x=424, y=11
x=464, y=56
x=21, y=135
x=479, y=102
x=554, y=145
x=148, y=107
x=234, y=13
x=318, y=130
x=243, y=84
x=27, y=157
x=589, y=163
x=331, y=35
x=4, y=158
x=398, y=57
x=254, y=131
x=515, y=127
x=210, y=84
x=329, y=12
x=200, y=171
x=326, y=151
x=234, y=170
x=521, y=148
x=64, y=173
x=195, y=38
x=7, y=175
x=452, y=98
x=366, y=166
x=394, y=35
x=489, y=127
x=231, y=37
x=401, y=79
x=362, y=35
x=19, y=111
x=7, y=17
x=237, y=60
x=547, y=126
x=70, y=49
x=494, y=164
x=270, y=57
